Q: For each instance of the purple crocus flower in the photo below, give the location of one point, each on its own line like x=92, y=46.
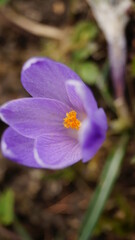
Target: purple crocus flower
x=60, y=125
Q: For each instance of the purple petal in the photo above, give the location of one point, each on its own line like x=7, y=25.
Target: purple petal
x=33, y=117
x=18, y=148
x=93, y=134
x=57, y=151
x=81, y=96
x=43, y=77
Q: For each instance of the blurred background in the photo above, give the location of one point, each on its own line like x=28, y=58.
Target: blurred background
x=50, y=205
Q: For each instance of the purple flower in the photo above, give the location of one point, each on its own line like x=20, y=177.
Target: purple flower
x=59, y=126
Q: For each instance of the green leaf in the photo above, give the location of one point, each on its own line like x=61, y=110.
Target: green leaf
x=107, y=180
x=84, y=31
x=7, y=207
x=84, y=52
x=133, y=67
x=3, y=2
x=89, y=72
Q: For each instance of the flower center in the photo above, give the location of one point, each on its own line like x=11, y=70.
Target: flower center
x=70, y=121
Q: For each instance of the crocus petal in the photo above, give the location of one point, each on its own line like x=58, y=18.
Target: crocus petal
x=81, y=96
x=18, y=148
x=33, y=117
x=43, y=77
x=57, y=151
x=93, y=134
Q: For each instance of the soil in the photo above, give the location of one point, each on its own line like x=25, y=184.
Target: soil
x=51, y=205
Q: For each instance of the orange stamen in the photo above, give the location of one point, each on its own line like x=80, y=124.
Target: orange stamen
x=71, y=121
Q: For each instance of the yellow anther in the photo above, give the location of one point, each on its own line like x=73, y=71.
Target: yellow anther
x=71, y=121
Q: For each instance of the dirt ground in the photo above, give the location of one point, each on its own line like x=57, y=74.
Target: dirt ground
x=51, y=204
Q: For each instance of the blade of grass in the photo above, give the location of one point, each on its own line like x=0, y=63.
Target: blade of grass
x=21, y=230
x=107, y=180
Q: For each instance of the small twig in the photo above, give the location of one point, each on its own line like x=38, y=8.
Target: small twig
x=63, y=206
x=31, y=26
